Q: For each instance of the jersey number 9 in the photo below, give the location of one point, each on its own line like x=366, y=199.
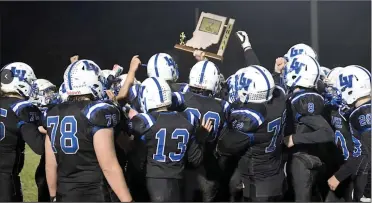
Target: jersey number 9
x=68, y=141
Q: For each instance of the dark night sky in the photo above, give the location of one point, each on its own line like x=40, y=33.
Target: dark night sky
x=46, y=34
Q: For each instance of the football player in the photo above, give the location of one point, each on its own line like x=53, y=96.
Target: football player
x=62, y=93
x=163, y=66
x=350, y=171
x=255, y=124
x=80, y=143
x=170, y=140
x=354, y=82
x=306, y=132
x=19, y=122
x=203, y=83
x=44, y=96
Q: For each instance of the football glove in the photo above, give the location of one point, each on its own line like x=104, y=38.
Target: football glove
x=244, y=40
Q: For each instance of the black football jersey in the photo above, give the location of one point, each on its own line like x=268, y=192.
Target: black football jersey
x=204, y=107
x=170, y=142
x=133, y=97
x=179, y=87
x=360, y=125
x=305, y=122
x=347, y=143
x=14, y=113
x=348, y=146
x=257, y=135
x=71, y=127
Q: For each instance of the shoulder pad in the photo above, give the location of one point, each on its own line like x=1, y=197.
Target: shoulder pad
x=184, y=87
x=27, y=112
x=102, y=114
x=141, y=123
x=178, y=100
x=193, y=120
x=225, y=105
x=247, y=119
x=360, y=118
x=307, y=104
x=133, y=92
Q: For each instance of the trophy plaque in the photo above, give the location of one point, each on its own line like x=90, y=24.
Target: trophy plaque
x=207, y=36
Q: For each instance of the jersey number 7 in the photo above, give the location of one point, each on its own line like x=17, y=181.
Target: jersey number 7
x=68, y=140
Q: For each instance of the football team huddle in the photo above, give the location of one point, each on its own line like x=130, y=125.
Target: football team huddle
x=300, y=133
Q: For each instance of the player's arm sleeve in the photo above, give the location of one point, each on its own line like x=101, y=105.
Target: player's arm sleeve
x=348, y=168
x=195, y=152
x=232, y=142
x=29, y=120
x=195, y=148
x=360, y=126
x=102, y=115
x=320, y=132
x=245, y=120
x=251, y=57
x=140, y=124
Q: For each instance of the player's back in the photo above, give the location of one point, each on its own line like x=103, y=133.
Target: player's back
x=179, y=87
x=167, y=136
x=345, y=142
x=71, y=127
x=13, y=112
x=204, y=107
x=262, y=123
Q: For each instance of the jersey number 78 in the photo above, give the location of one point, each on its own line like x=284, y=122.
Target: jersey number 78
x=67, y=130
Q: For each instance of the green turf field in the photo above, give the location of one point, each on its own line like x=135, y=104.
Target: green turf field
x=28, y=176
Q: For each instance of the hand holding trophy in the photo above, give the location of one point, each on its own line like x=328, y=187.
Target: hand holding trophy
x=208, y=32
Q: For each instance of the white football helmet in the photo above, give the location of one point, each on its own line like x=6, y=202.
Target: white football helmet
x=205, y=75
x=63, y=93
x=302, y=71
x=354, y=82
x=120, y=82
x=232, y=83
x=84, y=77
x=43, y=92
x=106, y=73
x=162, y=65
x=299, y=49
x=332, y=76
x=324, y=72
x=17, y=77
x=255, y=84
x=155, y=93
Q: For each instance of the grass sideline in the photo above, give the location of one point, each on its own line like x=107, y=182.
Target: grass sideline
x=28, y=176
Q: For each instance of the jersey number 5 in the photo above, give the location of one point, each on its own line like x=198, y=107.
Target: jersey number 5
x=3, y=113
x=68, y=140
x=182, y=146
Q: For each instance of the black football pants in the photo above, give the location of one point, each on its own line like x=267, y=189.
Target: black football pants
x=41, y=182
x=355, y=184
x=165, y=190
x=82, y=192
x=302, y=173
x=10, y=188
